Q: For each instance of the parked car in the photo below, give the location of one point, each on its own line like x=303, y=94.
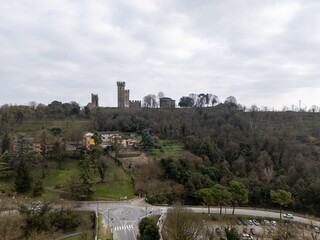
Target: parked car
x=250, y=222
x=244, y=222
x=266, y=222
x=317, y=230
x=288, y=215
x=274, y=223
x=256, y=222
x=218, y=231
x=253, y=232
x=246, y=236
x=239, y=222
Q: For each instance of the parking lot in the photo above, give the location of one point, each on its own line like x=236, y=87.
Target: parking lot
x=250, y=229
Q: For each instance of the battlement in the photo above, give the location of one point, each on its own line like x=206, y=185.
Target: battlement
x=121, y=84
x=127, y=91
x=135, y=104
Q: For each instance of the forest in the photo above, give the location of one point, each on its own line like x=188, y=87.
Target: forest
x=264, y=150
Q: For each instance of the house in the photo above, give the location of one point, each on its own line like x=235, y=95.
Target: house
x=88, y=140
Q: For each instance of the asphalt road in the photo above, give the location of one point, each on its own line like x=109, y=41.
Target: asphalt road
x=124, y=217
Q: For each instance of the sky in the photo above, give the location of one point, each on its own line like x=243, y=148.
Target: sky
x=265, y=53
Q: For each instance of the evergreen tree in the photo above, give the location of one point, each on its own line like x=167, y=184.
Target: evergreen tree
x=84, y=187
x=38, y=188
x=6, y=167
x=148, y=229
x=57, y=153
x=147, y=140
x=22, y=147
x=23, y=178
x=102, y=168
x=5, y=145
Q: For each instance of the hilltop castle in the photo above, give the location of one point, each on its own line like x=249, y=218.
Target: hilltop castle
x=123, y=97
x=94, y=102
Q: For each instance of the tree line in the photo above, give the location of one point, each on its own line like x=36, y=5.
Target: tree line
x=264, y=150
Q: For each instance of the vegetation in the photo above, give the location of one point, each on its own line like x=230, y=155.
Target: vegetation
x=264, y=151
x=182, y=224
x=281, y=197
x=148, y=229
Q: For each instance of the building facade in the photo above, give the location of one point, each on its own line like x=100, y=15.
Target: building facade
x=94, y=100
x=166, y=102
x=123, y=95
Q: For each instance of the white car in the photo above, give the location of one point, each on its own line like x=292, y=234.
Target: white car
x=288, y=215
x=246, y=236
x=266, y=222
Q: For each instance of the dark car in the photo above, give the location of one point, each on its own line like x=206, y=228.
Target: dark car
x=256, y=222
x=218, y=231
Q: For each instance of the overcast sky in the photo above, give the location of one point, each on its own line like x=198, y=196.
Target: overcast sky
x=262, y=52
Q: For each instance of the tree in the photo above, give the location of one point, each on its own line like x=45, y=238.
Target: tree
x=147, y=140
x=23, y=178
x=6, y=167
x=148, y=229
x=231, y=233
x=239, y=193
x=206, y=195
x=150, y=101
x=5, y=144
x=57, y=153
x=214, y=100
x=221, y=196
x=202, y=99
x=38, y=188
x=43, y=152
x=231, y=101
x=182, y=224
x=281, y=197
x=102, y=168
x=84, y=187
x=186, y=102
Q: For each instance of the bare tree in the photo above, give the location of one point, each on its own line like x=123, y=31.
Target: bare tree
x=150, y=101
x=181, y=224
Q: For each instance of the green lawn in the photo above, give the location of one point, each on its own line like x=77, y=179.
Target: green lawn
x=57, y=180
x=118, y=184
x=165, y=147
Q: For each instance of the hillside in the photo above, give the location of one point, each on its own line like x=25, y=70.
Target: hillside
x=195, y=148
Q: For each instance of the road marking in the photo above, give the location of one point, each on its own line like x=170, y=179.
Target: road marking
x=123, y=228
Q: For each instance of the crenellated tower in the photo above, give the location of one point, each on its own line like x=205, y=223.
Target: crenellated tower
x=124, y=97
x=94, y=100
x=121, y=94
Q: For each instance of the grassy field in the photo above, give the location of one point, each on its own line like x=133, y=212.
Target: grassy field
x=165, y=147
x=103, y=232
x=117, y=185
x=57, y=180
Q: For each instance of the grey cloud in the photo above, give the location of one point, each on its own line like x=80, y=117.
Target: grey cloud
x=259, y=51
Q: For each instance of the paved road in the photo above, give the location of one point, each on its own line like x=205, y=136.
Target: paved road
x=124, y=217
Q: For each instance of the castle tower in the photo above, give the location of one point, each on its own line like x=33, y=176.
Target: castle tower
x=126, y=98
x=94, y=100
x=121, y=93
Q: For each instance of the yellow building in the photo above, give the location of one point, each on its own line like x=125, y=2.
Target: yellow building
x=88, y=140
